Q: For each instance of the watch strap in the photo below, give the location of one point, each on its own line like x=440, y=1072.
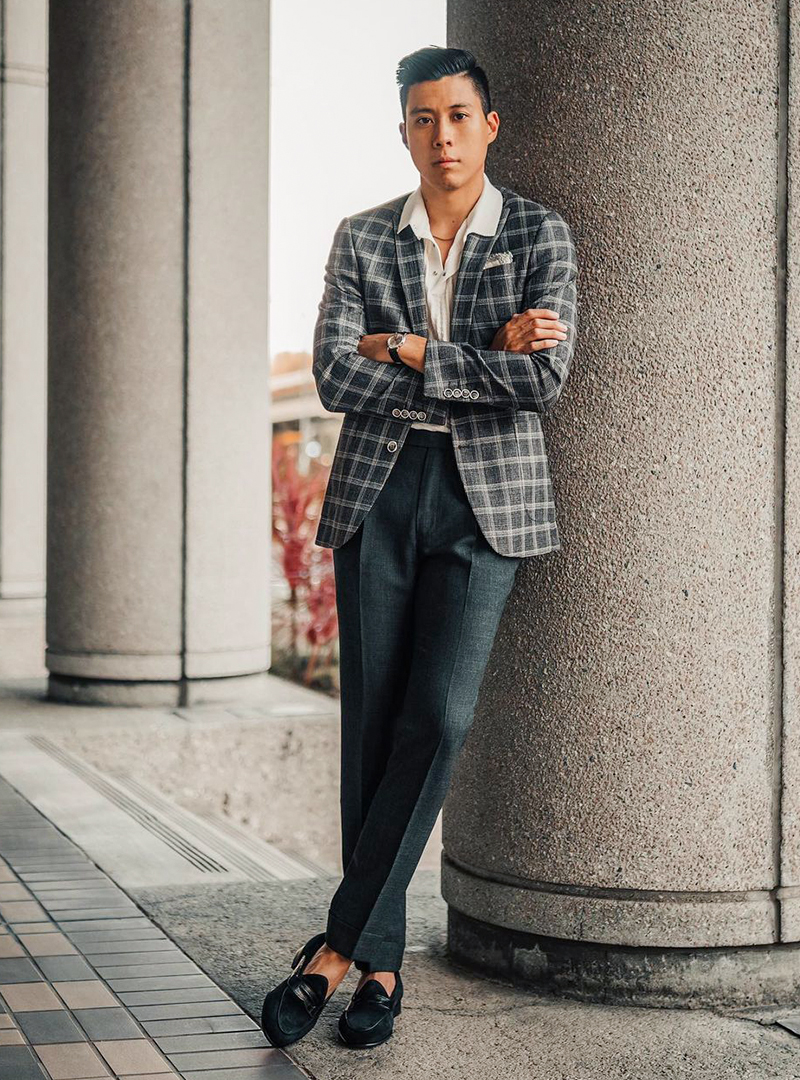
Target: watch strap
x=392, y=349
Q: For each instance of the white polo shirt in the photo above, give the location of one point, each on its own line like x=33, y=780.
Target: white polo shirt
x=440, y=280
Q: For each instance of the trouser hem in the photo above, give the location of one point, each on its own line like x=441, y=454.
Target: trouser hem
x=369, y=952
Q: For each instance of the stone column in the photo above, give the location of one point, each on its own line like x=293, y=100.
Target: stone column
x=624, y=822
x=159, y=484
x=23, y=320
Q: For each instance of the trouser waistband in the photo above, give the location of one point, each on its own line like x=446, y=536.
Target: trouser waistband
x=424, y=437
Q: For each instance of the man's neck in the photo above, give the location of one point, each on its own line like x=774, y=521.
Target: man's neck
x=447, y=209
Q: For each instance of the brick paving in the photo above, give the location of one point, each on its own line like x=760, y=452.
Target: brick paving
x=91, y=987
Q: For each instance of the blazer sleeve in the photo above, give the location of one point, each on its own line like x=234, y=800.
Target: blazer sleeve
x=347, y=381
x=525, y=381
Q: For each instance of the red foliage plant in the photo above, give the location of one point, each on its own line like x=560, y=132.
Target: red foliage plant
x=308, y=569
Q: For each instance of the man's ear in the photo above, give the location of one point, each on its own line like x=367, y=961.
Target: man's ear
x=402, y=127
x=494, y=124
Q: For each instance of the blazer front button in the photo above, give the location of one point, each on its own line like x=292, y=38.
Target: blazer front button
x=391, y=445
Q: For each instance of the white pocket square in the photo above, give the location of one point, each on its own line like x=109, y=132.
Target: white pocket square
x=498, y=258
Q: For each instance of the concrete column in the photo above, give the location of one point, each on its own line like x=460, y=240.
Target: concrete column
x=159, y=485
x=23, y=299
x=624, y=822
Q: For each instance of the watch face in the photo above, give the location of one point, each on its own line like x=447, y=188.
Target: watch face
x=393, y=341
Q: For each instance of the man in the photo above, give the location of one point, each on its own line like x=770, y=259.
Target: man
x=446, y=329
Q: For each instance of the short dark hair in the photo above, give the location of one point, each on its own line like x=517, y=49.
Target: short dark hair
x=434, y=62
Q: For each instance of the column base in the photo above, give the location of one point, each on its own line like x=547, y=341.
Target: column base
x=741, y=976
x=70, y=688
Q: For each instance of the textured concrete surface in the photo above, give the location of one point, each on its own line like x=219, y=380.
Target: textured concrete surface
x=158, y=451
x=23, y=359
x=249, y=763
x=788, y=477
x=453, y=1020
x=631, y=772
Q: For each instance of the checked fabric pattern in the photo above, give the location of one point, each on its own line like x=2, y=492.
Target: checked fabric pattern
x=492, y=399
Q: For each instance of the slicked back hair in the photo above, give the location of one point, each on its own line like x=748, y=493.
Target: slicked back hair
x=434, y=62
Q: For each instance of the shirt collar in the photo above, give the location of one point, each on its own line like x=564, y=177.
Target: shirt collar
x=482, y=218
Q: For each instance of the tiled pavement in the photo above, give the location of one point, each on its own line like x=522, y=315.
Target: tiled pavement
x=90, y=987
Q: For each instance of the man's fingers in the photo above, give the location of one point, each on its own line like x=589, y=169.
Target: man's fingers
x=548, y=343
x=541, y=331
x=546, y=318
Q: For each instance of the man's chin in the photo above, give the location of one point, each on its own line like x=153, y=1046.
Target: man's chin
x=447, y=179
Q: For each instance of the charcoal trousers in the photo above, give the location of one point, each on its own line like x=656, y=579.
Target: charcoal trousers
x=419, y=596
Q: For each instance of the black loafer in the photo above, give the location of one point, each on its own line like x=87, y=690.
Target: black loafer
x=368, y=1018
x=292, y=1008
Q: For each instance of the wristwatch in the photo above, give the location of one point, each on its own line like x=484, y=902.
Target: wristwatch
x=393, y=343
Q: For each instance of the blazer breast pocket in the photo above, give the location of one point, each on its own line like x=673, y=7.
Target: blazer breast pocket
x=499, y=294
x=498, y=258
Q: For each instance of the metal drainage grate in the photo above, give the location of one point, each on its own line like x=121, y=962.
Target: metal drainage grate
x=209, y=845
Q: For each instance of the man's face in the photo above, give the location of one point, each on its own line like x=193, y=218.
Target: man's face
x=444, y=119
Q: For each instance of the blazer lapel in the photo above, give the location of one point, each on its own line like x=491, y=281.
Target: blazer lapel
x=477, y=249
x=411, y=265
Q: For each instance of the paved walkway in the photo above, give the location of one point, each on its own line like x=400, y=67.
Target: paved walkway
x=154, y=882
x=91, y=987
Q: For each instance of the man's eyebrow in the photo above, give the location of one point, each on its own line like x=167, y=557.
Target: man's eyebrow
x=424, y=108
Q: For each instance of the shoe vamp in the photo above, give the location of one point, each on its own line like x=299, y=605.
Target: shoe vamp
x=366, y=1016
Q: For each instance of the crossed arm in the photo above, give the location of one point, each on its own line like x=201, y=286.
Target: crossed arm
x=349, y=381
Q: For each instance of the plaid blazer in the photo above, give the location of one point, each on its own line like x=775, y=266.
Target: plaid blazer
x=492, y=399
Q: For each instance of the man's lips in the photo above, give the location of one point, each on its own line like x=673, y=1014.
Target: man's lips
x=446, y=161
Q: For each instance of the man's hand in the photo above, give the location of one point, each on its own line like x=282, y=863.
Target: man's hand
x=530, y=331
x=374, y=347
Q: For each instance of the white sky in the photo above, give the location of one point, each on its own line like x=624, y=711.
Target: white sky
x=334, y=141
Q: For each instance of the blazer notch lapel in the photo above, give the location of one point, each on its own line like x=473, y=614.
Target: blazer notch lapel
x=410, y=252
x=477, y=249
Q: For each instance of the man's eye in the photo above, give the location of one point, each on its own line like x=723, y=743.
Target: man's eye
x=428, y=118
